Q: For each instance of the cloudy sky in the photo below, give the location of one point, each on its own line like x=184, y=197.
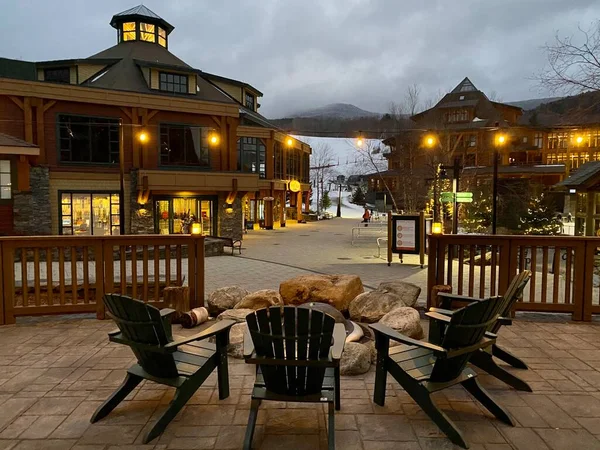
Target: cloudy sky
x=308, y=53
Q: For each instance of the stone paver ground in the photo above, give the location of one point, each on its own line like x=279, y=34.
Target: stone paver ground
x=55, y=372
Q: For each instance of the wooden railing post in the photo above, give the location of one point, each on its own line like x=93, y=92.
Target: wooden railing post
x=584, y=281
x=431, y=267
x=8, y=282
x=2, y=319
x=196, y=272
x=100, y=271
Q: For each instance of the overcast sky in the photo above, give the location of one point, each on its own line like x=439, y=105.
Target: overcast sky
x=308, y=53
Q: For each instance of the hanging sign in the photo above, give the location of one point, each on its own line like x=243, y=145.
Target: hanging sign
x=295, y=186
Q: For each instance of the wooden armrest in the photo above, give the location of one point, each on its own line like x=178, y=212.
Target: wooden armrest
x=166, y=312
x=248, y=344
x=505, y=320
x=219, y=327
x=339, y=339
x=438, y=316
x=395, y=336
x=446, y=312
x=490, y=335
x=117, y=336
x=462, y=298
x=484, y=342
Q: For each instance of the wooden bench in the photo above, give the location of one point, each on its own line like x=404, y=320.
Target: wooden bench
x=229, y=242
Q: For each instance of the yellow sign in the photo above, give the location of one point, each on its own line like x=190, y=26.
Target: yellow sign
x=294, y=186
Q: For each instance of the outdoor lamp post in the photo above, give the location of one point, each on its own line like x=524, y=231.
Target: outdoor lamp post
x=430, y=142
x=499, y=141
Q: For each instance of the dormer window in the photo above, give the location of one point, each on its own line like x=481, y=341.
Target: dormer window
x=173, y=82
x=58, y=75
x=129, y=31
x=250, y=101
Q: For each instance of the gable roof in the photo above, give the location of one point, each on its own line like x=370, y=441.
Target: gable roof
x=214, y=77
x=587, y=175
x=464, y=86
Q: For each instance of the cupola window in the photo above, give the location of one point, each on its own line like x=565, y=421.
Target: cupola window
x=129, y=31
x=162, y=37
x=147, y=32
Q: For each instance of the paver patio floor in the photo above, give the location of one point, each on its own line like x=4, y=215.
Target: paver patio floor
x=54, y=372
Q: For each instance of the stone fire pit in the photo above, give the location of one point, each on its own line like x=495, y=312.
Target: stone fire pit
x=342, y=297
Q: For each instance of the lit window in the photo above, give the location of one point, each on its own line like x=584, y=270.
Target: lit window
x=5, y=182
x=173, y=82
x=162, y=37
x=129, y=31
x=462, y=97
x=147, y=32
x=538, y=140
x=89, y=213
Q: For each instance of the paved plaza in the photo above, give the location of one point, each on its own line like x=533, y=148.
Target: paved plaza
x=56, y=371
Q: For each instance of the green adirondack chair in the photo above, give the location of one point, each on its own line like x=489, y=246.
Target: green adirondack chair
x=297, y=352
x=147, y=330
x=422, y=368
x=483, y=358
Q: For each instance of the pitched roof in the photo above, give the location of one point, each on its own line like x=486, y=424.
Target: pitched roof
x=7, y=140
x=140, y=12
x=464, y=86
x=140, y=50
x=214, y=77
x=584, y=176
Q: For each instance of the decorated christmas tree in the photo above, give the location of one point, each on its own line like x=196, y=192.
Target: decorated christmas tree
x=540, y=218
x=477, y=216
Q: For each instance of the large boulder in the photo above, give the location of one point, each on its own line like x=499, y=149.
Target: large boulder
x=260, y=299
x=238, y=315
x=356, y=359
x=225, y=298
x=337, y=290
x=404, y=320
x=371, y=306
x=408, y=292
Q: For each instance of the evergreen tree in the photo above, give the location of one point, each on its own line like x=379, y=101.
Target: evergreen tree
x=477, y=216
x=540, y=217
x=325, y=201
x=358, y=197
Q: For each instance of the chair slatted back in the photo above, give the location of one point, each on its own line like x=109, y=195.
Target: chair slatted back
x=513, y=293
x=467, y=327
x=286, y=336
x=142, y=324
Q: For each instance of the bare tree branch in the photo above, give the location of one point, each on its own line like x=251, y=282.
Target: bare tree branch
x=573, y=62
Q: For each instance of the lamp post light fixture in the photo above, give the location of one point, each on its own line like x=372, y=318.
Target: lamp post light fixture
x=499, y=141
x=436, y=228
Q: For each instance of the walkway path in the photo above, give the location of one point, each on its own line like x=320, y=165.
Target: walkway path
x=270, y=257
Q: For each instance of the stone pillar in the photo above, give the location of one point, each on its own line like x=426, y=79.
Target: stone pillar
x=230, y=219
x=31, y=210
x=142, y=215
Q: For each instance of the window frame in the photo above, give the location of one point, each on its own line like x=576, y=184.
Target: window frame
x=167, y=82
x=87, y=163
x=65, y=68
x=12, y=178
x=199, y=167
x=260, y=147
x=91, y=193
x=249, y=95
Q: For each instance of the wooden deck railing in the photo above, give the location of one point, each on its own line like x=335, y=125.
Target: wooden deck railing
x=565, y=270
x=70, y=274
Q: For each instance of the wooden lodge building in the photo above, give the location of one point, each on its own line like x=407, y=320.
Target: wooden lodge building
x=542, y=147
x=191, y=143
